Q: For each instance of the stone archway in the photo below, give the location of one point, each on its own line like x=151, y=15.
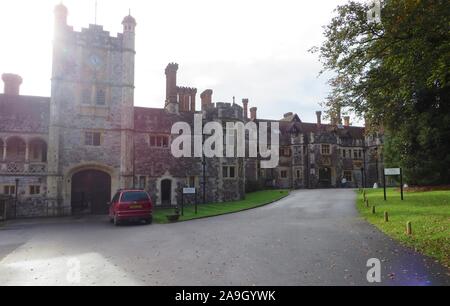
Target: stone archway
x=325, y=177
x=166, y=192
x=90, y=192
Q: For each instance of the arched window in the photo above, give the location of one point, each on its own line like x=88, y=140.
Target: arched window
x=15, y=149
x=38, y=151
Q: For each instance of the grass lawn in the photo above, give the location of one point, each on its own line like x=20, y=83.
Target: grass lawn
x=429, y=213
x=252, y=200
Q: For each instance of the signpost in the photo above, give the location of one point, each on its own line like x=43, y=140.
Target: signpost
x=393, y=172
x=188, y=191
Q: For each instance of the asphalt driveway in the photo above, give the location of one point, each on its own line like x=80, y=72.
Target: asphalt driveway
x=312, y=237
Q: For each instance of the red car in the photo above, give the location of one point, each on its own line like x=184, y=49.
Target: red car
x=131, y=205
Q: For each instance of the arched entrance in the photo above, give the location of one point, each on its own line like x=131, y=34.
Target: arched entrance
x=166, y=192
x=325, y=178
x=91, y=191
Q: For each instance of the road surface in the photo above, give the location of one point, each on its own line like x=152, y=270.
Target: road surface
x=312, y=237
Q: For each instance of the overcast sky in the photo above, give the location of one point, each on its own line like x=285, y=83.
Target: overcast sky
x=244, y=48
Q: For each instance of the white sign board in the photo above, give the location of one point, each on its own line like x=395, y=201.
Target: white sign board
x=392, y=171
x=189, y=191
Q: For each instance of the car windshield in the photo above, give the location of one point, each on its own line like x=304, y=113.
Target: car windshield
x=135, y=196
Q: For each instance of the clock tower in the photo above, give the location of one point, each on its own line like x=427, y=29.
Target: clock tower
x=91, y=109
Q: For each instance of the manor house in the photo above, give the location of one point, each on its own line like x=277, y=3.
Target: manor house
x=68, y=153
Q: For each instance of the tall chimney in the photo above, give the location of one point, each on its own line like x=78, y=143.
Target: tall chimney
x=253, y=113
x=206, y=98
x=171, y=83
x=245, y=105
x=12, y=84
x=193, y=102
x=347, y=121
x=319, y=117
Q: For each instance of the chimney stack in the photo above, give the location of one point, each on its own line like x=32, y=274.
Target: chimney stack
x=171, y=83
x=206, y=98
x=245, y=105
x=12, y=84
x=253, y=113
x=347, y=121
x=288, y=114
x=319, y=117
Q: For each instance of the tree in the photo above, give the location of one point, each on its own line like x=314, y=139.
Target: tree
x=396, y=75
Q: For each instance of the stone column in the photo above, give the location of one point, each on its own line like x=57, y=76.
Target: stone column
x=3, y=166
x=27, y=156
x=27, y=152
x=4, y=151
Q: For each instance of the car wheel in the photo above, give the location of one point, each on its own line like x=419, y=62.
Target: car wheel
x=149, y=220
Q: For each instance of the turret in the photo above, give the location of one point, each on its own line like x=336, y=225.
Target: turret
x=129, y=54
x=61, y=13
x=129, y=32
x=60, y=24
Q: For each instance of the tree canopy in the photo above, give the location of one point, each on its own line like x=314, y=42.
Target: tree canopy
x=395, y=73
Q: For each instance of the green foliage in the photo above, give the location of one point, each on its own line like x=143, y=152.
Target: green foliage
x=396, y=74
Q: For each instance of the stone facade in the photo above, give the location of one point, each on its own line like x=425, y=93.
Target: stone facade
x=69, y=153
x=317, y=155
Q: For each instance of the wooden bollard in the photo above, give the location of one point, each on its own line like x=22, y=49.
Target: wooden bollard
x=367, y=203
x=386, y=216
x=374, y=210
x=409, y=228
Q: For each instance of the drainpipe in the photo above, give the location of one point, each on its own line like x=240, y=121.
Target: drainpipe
x=134, y=159
x=203, y=163
x=308, y=164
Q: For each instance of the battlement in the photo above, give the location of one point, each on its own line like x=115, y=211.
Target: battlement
x=94, y=34
x=224, y=110
x=186, y=90
x=172, y=68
